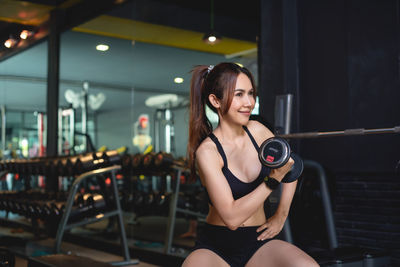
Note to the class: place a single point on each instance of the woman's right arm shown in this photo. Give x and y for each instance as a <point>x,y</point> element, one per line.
<point>233,212</point>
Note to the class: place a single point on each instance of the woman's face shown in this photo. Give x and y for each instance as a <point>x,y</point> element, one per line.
<point>243,100</point>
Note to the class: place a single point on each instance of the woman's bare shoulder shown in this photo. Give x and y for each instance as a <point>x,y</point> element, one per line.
<point>259,131</point>
<point>207,158</point>
<point>207,148</point>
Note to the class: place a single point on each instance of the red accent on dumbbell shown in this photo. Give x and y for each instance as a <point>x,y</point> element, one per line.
<point>270,158</point>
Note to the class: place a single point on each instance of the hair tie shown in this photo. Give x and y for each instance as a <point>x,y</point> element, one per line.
<point>210,68</point>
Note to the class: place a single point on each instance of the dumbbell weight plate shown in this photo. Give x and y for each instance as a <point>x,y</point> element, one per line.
<point>296,171</point>
<point>274,152</point>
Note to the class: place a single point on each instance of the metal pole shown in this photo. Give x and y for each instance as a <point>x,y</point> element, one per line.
<point>85,88</point>
<point>53,87</point>
<point>124,241</point>
<point>60,131</point>
<point>167,132</point>
<point>63,225</point>
<point>347,132</point>
<point>287,230</point>
<point>3,127</point>
<point>72,131</point>
<point>120,219</point>
<point>326,201</point>
<point>172,215</point>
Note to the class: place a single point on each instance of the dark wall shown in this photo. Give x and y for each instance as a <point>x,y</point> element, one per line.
<point>348,54</point>
<point>350,79</point>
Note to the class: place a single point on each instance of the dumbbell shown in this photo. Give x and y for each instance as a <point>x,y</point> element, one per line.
<point>137,163</point>
<point>126,162</point>
<point>112,157</point>
<point>148,162</point>
<point>163,161</point>
<point>275,152</point>
<point>93,204</point>
<point>70,165</point>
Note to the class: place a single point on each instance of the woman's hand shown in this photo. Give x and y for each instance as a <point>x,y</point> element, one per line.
<point>273,226</point>
<point>279,173</point>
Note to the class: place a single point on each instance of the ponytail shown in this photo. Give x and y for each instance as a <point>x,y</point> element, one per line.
<point>199,125</point>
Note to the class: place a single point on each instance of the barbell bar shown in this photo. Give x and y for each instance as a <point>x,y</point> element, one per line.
<point>347,132</point>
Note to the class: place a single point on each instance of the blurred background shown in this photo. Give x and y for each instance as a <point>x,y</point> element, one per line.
<point>82,76</point>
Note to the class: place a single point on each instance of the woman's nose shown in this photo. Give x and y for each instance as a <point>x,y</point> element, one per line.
<point>248,101</point>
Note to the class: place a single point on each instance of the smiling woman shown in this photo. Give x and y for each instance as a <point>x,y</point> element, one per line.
<point>236,232</point>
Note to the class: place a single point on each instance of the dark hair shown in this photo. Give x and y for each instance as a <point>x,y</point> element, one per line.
<point>220,81</point>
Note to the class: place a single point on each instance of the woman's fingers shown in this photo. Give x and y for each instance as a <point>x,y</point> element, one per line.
<point>267,234</point>
<point>262,227</point>
<point>270,231</point>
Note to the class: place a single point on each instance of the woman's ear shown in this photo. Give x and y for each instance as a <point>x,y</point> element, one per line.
<point>214,101</point>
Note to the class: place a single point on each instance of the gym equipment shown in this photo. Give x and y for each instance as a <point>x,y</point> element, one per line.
<point>7,258</point>
<point>148,162</point>
<point>275,152</point>
<point>347,132</point>
<point>163,161</point>
<point>92,205</point>
<point>91,161</point>
<point>174,209</point>
<point>126,163</point>
<point>65,226</point>
<point>112,157</point>
<point>70,165</point>
<point>137,162</point>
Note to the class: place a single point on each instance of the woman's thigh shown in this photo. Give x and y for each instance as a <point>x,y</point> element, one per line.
<point>204,257</point>
<point>281,253</point>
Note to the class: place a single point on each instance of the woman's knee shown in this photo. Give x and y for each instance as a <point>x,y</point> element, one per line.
<point>195,258</point>
<point>305,261</point>
<point>203,257</point>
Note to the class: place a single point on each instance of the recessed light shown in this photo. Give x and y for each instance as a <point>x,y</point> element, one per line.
<point>102,47</point>
<point>178,80</point>
<point>25,34</point>
<point>11,42</point>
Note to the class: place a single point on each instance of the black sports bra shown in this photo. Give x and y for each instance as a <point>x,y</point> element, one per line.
<point>238,187</point>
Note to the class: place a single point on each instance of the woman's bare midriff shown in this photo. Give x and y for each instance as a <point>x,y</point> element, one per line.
<point>258,218</point>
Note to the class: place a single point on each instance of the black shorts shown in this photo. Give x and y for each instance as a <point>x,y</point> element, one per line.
<point>235,247</point>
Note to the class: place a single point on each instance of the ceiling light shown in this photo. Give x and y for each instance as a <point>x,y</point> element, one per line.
<point>239,64</point>
<point>212,37</point>
<point>10,43</point>
<point>25,34</point>
<point>178,80</point>
<point>102,47</point>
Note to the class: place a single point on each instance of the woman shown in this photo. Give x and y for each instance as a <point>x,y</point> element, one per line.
<point>236,232</point>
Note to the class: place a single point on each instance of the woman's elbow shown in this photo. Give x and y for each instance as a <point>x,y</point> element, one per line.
<point>232,224</point>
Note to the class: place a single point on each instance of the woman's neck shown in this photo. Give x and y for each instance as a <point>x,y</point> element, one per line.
<point>229,131</point>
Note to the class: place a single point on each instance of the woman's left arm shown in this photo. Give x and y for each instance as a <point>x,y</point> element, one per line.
<point>275,223</point>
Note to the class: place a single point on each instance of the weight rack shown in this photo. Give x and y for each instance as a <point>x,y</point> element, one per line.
<point>64,226</point>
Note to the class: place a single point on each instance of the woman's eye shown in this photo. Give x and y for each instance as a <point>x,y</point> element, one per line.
<point>239,94</point>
